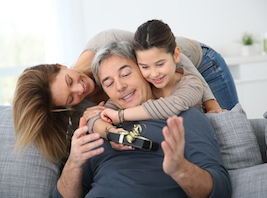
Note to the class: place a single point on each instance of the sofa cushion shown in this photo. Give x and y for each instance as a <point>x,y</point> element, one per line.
<point>259,128</point>
<point>265,116</point>
<point>249,182</point>
<point>237,141</point>
<point>22,176</point>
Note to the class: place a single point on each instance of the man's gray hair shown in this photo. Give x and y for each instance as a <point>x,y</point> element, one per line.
<point>122,49</point>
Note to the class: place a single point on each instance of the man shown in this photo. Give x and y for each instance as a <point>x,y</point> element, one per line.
<point>188,163</point>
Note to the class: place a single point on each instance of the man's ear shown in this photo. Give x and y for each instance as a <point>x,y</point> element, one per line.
<point>177,54</point>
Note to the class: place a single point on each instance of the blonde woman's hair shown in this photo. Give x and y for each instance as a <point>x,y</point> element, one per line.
<point>36,120</point>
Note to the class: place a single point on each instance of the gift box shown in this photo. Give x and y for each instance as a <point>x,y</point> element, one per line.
<point>136,141</point>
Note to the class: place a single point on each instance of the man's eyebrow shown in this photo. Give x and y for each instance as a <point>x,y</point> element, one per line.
<point>120,69</point>
<point>66,80</point>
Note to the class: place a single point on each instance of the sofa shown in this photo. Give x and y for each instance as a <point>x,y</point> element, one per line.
<point>242,143</point>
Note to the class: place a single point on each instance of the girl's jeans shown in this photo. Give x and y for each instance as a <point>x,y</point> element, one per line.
<point>217,74</point>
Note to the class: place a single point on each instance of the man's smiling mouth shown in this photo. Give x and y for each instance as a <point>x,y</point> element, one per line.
<point>128,96</point>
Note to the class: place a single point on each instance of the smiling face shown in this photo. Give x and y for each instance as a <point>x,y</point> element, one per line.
<point>157,66</point>
<point>122,81</point>
<point>70,87</point>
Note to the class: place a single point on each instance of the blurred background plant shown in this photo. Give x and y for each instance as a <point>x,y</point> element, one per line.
<point>248,39</point>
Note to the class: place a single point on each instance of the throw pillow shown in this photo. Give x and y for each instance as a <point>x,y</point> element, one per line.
<point>238,143</point>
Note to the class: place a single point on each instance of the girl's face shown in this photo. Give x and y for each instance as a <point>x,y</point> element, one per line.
<point>70,87</point>
<point>157,66</point>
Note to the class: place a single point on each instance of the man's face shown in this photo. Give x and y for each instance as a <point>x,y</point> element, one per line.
<point>123,82</point>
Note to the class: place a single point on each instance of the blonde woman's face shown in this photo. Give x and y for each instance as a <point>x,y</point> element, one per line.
<point>70,87</point>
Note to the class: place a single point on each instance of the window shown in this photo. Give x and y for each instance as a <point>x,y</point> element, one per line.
<point>25,27</point>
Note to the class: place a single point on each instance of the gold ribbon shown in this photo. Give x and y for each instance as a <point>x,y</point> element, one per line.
<point>134,134</point>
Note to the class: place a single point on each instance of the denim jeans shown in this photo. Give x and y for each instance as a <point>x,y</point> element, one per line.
<point>217,74</point>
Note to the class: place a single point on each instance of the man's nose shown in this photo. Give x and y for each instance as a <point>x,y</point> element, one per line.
<point>121,85</point>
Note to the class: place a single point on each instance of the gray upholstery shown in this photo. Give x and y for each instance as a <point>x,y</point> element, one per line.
<point>25,176</point>
<point>265,116</point>
<point>238,143</point>
<point>259,126</point>
<point>249,182</point>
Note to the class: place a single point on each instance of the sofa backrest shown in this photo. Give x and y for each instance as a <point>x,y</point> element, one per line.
<point>25,176</point>
<point>259,127</point>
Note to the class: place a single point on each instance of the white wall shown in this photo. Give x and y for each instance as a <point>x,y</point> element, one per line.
<point>219,24</point>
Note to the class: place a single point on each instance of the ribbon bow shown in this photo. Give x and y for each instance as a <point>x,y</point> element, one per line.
<point>132,135</point>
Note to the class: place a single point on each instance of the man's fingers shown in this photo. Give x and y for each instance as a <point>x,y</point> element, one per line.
<point>93,153</point>
<point>92,145</point>
<point>82,122</point>
<point>168,133</point>
<point>121,147</point>
<point>173,133</point>
<point>102,103</point>
<point>176,127</point>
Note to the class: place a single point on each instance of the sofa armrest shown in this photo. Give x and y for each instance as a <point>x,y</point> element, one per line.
<point>259,126</point>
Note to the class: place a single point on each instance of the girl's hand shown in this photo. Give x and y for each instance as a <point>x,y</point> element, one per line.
<point>216,110</point>
<point>212,106</point>
<point>93,111</point>
<point>111,116</point>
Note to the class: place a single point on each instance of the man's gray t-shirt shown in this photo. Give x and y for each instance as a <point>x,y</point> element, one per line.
<point>139,173</point>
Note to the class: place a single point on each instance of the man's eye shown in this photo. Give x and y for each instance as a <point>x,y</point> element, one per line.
<point>108,83</point>
<point>127,74</point>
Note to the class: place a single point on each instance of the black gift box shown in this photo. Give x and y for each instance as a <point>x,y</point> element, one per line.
<point>139,142</point>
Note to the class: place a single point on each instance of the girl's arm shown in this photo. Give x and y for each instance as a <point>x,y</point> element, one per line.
<point>94,127</point>
<point>97,125</point>
<point>130,114</point>
<point>187,93</point>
